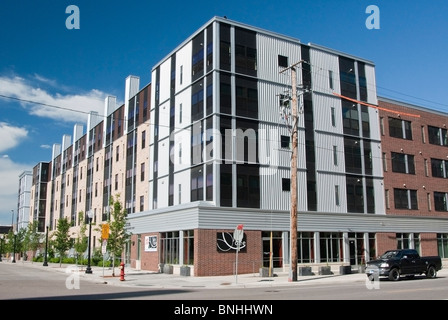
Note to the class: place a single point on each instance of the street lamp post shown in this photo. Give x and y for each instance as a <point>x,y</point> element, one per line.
<point>12,220</point>
<point>1,247</point>
<point>90,215</point>
<point>14,254</point>
<point>46,247</point>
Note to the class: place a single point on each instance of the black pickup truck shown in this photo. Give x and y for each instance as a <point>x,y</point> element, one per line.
<point>405,262</point>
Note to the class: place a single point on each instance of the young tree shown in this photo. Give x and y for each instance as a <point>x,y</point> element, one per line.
<point>81,240</point>
<point>61,240</point>
<point>118,236</point>
<point>32,239</point>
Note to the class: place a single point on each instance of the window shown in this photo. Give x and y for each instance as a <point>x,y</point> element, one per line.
<point>143,139</point>
<point>387,199</point>
<point>426,168</point>
<point>197,184</point>
<point>181,74</point>
<point>384,162</point>
<point>336,195</point>
<point>440,203</point>
<point>116,182</point>
<point>330,79</point>
<point>286,184</point>
<point>180,193</point>
<point>428,199</point>
<point>403,163</point>
<point>333,117</point>
<point>180,153</point>
<point>117,153</point>
<point>335,155</point>
<point>97,163</point>
<point>400,129</point>
<point>439,168</point>
<point>142,203</point>
<point>437,136</point>
<point>423,134</point>
<point>282,61</point>
<point>382,126</point>
<point>96,189</point>
<point>180,113</point>
<point>248,186</point>
<point>405,199</point>
<point>142,171</point>
<point>285,142</point>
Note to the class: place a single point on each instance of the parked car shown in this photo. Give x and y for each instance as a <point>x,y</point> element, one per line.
<point>394,264</point>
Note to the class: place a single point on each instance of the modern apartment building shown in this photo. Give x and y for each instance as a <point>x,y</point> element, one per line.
<point>108,159</point>
<point>220,154</point>
<point>24,191</point>
<point>206,147</point>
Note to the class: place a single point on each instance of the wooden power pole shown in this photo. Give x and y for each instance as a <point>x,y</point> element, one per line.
<point>293,213</point>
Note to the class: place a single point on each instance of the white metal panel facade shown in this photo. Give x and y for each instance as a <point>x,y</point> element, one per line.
<point>162,192</point>
<point>183,179</point>
<point>164,158</point>
<point>322,108</point>
<point>183,109</point>
<point>268,50</point>
<point>371,84</point>
<point>321,65</point>
<point>182,150</point>
<point>326,192</point>
<point>183,67</point>
<point>329,150</point>
<point>164,120</point>
<point>165,81</point>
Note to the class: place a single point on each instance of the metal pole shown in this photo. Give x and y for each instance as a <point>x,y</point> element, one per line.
<point>46,248</point>
<point>14,254</point>
<point>89,269</point>
<point>1,247</point>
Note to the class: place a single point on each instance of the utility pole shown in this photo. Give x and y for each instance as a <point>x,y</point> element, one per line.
<point>293,213</point>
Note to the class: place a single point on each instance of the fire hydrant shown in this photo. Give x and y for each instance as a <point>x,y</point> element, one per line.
<point>121,271</point>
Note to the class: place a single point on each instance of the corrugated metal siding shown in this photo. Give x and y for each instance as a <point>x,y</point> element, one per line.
<point>324,152</point>
<point>268,49</point>
<point>270,151</point>
<point>273,198</point>
<point>196,215</point>
<point>321,63</point>
<point>326,195</point>
<point>322,105</point>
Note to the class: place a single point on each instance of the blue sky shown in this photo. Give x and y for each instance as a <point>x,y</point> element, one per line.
<point>43,61</point>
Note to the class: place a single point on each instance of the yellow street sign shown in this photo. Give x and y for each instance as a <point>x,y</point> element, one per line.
<point>105,231</point>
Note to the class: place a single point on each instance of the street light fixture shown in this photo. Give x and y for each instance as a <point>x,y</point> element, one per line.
<point>14,254</point>
<point>90,215</point>
<point>46,247</point>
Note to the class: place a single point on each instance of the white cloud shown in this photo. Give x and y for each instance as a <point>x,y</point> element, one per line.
<point>45,146</point>
<point>11,136</point>
<point>9,185</point>
<point>67,107</point>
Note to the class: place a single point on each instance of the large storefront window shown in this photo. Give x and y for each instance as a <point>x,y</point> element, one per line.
<point>305,247</point>
<point>169,242</point>
<point>442,245</point>
<point>272,245</point>
<point>331,247</point>
<point>188,247</point>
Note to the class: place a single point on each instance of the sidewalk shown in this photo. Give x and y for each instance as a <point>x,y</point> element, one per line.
<point>142,278</point>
